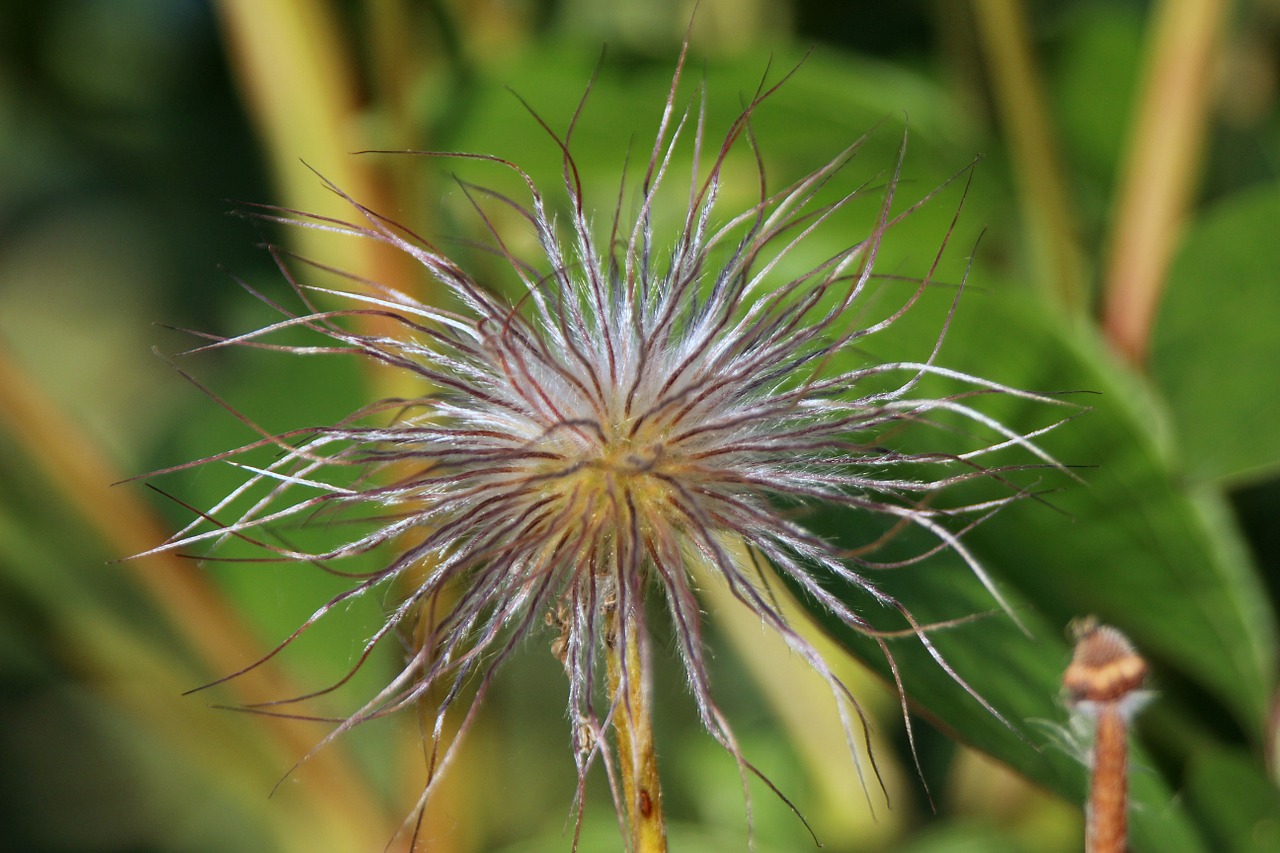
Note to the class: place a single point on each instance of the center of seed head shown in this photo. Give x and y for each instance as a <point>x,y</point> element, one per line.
<point>620,461</point>
<point>603,468</point>
<point>629,457</point>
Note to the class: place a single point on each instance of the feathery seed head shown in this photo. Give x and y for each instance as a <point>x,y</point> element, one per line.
<point>649,405</point>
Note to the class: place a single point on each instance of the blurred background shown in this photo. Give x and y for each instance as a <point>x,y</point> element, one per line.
<point>1124,222</point>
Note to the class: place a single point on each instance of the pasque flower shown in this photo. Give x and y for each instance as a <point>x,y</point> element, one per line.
<point>649,412</point>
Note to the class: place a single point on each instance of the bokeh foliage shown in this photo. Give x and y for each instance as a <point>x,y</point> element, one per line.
<point>126,124</point>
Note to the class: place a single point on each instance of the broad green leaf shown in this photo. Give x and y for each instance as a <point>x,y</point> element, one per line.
<point>1216,351</point>
<point>1235,801</point>
<point>1129,544</point>
<point>1020,676</point>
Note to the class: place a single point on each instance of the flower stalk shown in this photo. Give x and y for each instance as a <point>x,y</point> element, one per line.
<point>1104,683</point>
<point>1158,181</point>
<point>631,685</point>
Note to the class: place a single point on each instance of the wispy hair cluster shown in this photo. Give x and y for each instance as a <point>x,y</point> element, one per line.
<point>644,413</point>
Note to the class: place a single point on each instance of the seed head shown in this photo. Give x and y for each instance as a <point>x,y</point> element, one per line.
<point>650,411</point>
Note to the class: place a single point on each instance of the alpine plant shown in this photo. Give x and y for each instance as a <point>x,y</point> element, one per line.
<point>648,413</point>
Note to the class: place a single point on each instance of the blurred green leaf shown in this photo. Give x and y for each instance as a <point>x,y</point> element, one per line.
<point>1216,351</point>
<point>1130,545</point>
<point>1095,75</point>
<point>1235,802</point>
<point>961,837</point>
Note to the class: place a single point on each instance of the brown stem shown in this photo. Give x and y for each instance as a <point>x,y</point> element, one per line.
<point>1104,681</point>
<point>629,683</point>
<point>1108,790</point>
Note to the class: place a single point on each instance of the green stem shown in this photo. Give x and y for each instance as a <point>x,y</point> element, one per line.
<point>633,725</point>
<point>1165,146</point>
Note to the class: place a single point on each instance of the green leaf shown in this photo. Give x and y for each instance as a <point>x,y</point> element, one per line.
<point>1131,544</point>
<point>1216,352</point>
<point>1237,804</point>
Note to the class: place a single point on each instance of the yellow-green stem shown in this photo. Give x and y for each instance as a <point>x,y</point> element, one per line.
<point>1159,177</point>
<point>633,725</point>
<point>296,69</point>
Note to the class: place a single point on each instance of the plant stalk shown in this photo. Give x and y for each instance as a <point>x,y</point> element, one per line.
<point>633,725</point>
<point>1108,812</point>
<point>1161,168</point>
<point>1104,680</point>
